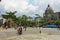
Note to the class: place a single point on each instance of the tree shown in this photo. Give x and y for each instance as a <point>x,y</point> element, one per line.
<point>38,18</point>
<point>29,18</point>
<point>31,22</point>
<point>24,18</point>
<point>10,15</point>
<point>38,15</point>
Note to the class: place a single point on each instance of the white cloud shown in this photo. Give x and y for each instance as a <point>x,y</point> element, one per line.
<point>19,5</point>
<point>32,8</point>
<point>16,5</point>
<point>24,7</point>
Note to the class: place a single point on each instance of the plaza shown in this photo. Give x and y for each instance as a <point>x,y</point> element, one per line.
<point>31,34</point>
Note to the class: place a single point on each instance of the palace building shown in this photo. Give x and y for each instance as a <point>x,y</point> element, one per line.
<point>50,14</point>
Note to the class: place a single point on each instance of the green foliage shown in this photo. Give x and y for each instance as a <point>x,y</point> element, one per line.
<point>10,15</point>
<point>23,20</point>
<point>38,15</point>
<point>53,22</point>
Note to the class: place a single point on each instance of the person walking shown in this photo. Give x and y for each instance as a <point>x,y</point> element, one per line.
<point>19,29</point>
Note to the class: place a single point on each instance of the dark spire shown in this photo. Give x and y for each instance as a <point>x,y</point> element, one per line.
<point>48,5</point>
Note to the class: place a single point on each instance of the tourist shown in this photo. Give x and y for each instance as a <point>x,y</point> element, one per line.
<point>59,26</point>
<point>5,24</point>
<point>19,29</point>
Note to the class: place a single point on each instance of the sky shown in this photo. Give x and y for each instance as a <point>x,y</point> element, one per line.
<point>28,7</point>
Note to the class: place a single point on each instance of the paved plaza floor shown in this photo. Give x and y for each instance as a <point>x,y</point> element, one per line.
<point>30,34</point>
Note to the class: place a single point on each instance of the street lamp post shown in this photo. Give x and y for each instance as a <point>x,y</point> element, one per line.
<point>38,21</point>
<point>38,24</point>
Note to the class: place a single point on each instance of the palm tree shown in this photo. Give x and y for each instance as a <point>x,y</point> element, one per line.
<point>24,17</point>
<point>38,19</point>
<point>10,16</point>
<point>30,18</point>
<point>38,15</point>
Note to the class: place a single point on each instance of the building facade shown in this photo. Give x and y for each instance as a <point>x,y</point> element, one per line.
<point>50,14</point>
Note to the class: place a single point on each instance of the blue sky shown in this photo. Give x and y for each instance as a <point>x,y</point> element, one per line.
<point>28,7</point>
